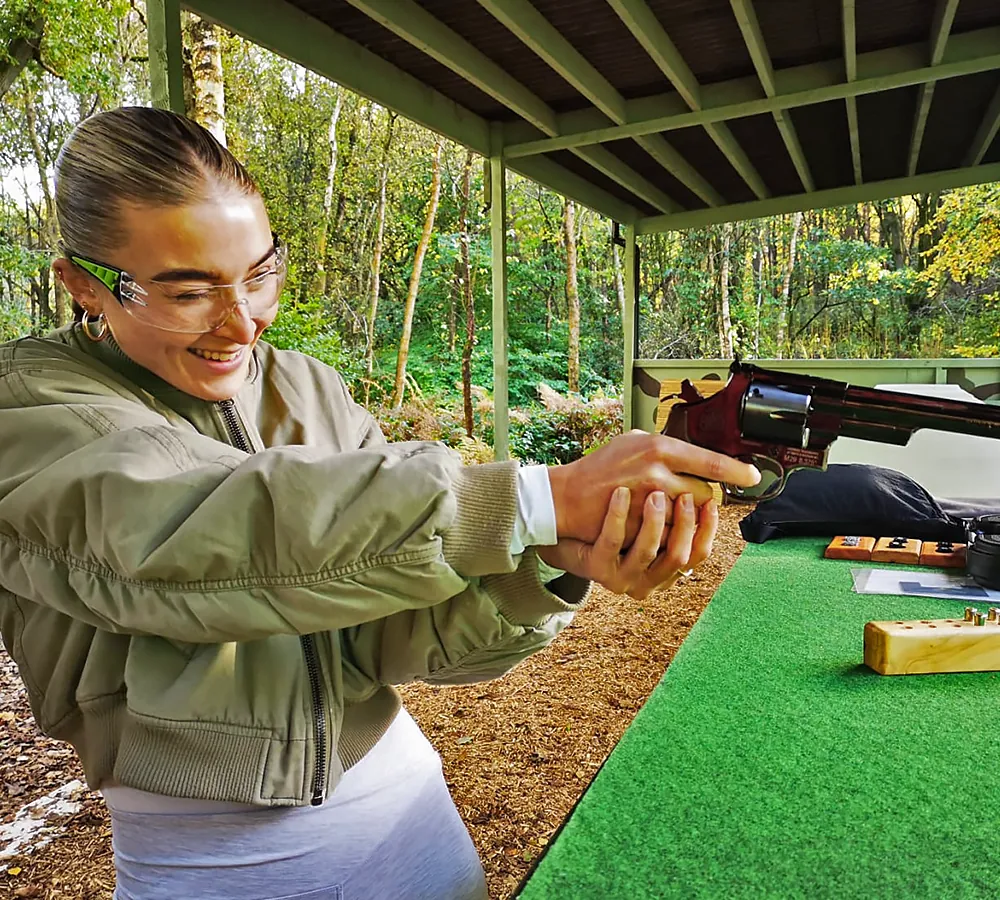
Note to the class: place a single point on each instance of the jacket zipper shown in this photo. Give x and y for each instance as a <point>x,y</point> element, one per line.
<point>230,417</point>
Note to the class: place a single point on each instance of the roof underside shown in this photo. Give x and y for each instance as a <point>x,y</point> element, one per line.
<point>674,113</point>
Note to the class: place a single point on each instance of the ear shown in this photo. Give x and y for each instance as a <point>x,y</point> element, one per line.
<point>79,284</point>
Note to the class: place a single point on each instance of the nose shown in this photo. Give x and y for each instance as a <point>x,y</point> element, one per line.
<point>239,327</point>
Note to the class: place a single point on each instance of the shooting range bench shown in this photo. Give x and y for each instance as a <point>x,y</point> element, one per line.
<point>770,763</point>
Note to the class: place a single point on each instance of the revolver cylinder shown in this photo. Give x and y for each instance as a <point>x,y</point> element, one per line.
<point>778,414</point>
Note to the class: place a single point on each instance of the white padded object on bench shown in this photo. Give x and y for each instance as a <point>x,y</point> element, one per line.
<point>946,465</point>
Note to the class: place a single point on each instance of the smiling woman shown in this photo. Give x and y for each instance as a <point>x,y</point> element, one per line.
<point>184,271</point>
<point>214,569</point>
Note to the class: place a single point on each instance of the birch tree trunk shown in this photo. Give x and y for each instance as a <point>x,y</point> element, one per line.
<point>418,264</point>
<point>207,103</point>
<point>727,319</point>
<point>787,285</point>
<point>322,233</point>
<point>469,300</point>
<point>572,298</point>
<point>377,259</point>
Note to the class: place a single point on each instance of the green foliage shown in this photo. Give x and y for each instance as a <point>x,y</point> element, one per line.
<point>561,435</point>
<point>15,320</point>
<point>78,39</point>
<point>913,276</point>
<point>306,327</point>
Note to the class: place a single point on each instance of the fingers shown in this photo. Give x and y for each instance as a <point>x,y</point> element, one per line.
<point>677,556</point>
<point>646,546</point>
<point>689,459</point>
<point>610,541</point>
<point>704,537</point>
<point>698,488</point>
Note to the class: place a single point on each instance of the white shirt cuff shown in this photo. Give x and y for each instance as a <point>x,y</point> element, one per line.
<point>535,524</point>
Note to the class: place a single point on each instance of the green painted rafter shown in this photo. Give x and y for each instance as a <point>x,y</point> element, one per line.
<point>851,74</point>
<point>290,32</point>
<point>746,17</point>
<point>539,35</point>
<point>428,34</point>
<point>928,182</point>
<point>944,15</point>
<point>414,24</point>
<point>647,30</point>
<point>986,132</point>
<point>883,70</point>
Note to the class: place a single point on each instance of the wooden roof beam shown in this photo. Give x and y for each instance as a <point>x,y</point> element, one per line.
<point>851,74</point>
<point>647,30</point>
<point>754,39</point>
<point>166,67</point>
<point>540,36</point>
<point>418,27</point>
<point>944,16</point>
<point>288,31</point>
<point>927,182</point>
<point>986,132</point>
<point>879,70</point>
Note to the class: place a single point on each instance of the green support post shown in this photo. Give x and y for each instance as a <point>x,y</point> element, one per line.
<point>630,318</point>
<point>498,250</point>
<point>166,66</point>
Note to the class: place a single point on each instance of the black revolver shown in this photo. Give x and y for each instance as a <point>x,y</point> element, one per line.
<point>782,422</point>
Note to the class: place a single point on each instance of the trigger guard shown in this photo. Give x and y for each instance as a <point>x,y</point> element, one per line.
<point>735,493</point>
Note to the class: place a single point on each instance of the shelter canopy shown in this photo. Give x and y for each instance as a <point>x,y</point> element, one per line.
<point>670,114</point>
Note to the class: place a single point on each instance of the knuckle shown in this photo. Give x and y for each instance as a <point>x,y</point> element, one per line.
<point>645,556</point>
<point>714,468</point>
<point>677,560</point>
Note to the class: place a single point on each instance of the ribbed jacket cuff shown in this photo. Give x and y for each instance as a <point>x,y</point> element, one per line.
<point>478,542</point>
<point>523,599</point>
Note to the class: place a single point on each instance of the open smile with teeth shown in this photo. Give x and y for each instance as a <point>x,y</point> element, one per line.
<point>216,355</point>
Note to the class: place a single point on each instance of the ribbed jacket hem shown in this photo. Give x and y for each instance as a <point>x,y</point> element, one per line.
<point>523,599</point>
<point>478,543</point>
<point>210,761</point>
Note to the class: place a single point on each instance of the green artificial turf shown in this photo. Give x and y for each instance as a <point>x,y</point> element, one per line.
<point>769,762</point>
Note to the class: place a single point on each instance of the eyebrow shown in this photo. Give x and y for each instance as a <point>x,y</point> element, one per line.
<point>171,275</point>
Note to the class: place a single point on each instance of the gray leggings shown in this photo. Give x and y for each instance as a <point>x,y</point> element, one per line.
<point>389,831</point>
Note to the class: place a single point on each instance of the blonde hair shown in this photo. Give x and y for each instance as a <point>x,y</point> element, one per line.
<point>135,155</point>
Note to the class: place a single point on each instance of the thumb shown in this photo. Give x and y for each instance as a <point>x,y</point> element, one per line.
<point>569,554</point>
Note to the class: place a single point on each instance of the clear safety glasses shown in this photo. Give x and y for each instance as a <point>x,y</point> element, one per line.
<point>195,307</point>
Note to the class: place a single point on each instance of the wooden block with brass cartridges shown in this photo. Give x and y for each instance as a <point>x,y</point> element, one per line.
<point>897,550</point>
<point>946,554</point>
<point>926,646</point>
<point>850,547</point>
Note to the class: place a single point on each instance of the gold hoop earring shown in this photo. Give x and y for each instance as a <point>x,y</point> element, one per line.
<point>102,323</point>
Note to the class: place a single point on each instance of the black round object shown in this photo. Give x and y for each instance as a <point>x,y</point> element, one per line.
<point>982,555</point>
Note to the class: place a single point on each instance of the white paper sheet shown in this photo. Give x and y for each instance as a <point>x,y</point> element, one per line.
<point>946,585</point>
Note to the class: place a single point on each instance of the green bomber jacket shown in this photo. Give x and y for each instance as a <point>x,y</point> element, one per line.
<point>213,600</point>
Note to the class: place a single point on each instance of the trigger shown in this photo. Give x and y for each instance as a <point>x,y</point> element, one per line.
<point>689,393</point>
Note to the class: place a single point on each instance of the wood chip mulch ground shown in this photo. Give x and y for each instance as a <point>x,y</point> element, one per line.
<point>517,752</point>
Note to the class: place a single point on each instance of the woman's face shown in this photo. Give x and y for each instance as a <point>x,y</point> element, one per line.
<point>224,239</point>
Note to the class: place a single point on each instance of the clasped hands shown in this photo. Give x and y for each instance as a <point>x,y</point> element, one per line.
<point>638,512</point>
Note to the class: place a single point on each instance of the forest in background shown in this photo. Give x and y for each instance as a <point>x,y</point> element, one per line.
<point>389,275</point>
